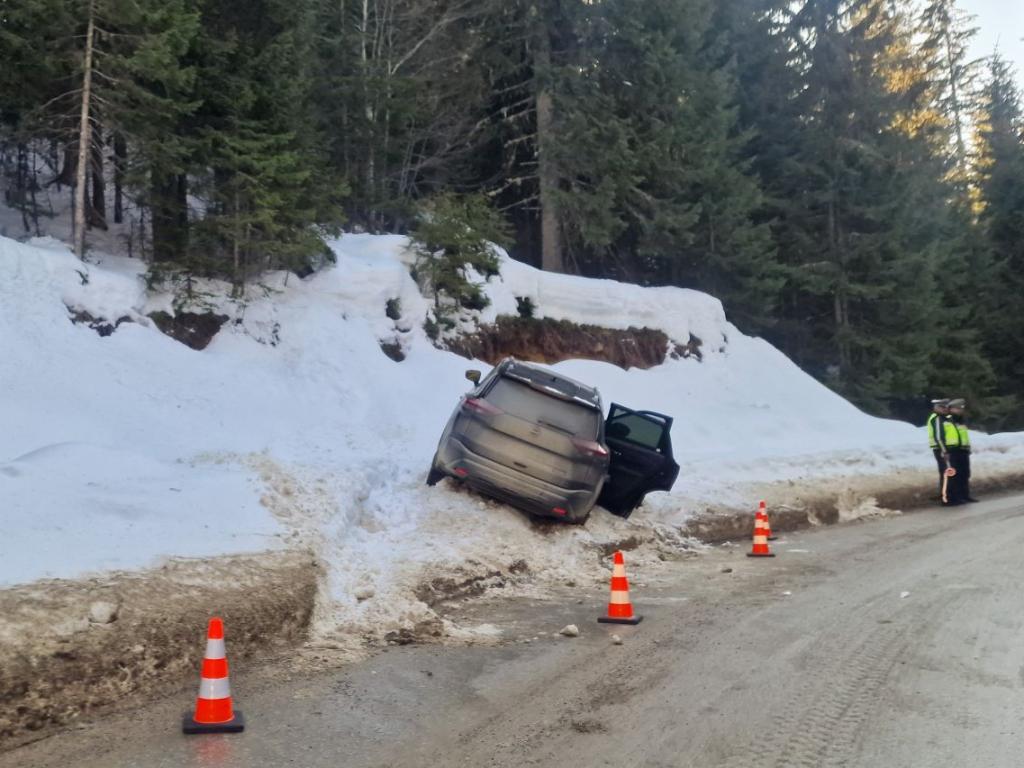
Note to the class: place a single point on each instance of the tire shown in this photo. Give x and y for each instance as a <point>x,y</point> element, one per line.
<point>434,475</point>
<point>578,519</point>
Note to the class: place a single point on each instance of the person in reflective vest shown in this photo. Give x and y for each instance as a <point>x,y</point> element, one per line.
<point>937,442</point>
<point>958,443</point>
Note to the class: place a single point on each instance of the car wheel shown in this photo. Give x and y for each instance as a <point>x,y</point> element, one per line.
<point>434,475</point>
<point>579,519</point>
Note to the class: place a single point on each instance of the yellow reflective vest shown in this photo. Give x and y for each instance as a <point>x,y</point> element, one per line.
<point>933,432</point>
<point>955,435</point>
<point>965,438</point>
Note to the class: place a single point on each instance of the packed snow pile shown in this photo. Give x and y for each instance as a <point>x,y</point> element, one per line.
<point>293,428</point>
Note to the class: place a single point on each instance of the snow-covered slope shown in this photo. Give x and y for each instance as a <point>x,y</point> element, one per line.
<point>293,428</point>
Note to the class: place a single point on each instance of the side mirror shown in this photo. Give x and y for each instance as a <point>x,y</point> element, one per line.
<point>473,376</point>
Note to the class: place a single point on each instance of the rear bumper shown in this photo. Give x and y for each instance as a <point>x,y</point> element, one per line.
<point>512,486</point>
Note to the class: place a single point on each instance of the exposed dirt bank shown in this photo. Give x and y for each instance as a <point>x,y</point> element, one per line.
<point>69,648</point>
<point>551,341</point>
<point>841,500</point>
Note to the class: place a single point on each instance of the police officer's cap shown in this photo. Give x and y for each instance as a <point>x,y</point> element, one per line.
<point>957,402</point>
<point>943,401</point>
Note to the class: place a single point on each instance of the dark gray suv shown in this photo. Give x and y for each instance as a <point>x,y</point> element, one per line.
<point>538,440</point>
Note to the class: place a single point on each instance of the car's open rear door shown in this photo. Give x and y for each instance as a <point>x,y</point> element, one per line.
<point>640,444</point>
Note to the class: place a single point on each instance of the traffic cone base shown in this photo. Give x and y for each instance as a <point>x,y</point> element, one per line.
<point>760,554</point>
<point>235,725</point>
<point>616,620</point>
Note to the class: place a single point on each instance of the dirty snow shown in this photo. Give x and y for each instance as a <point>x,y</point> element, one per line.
<point>293,429</point>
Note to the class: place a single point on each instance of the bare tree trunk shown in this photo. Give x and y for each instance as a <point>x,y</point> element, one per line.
<point>371,166</point>
<point>162,218</point>
<point>84,136</point>
<point>181,203</point>
<point>841,299</point>
<point>236,274</point>
<point>98,211</point>
<point>21,184</point>
<point>552,255</point>
<point>53,159</point>
<point>345,140</point>
<point>168,207</point>
<point>120,156</point>
<point>33,186</point>
<point>66,177</point>
<point>142,233</point>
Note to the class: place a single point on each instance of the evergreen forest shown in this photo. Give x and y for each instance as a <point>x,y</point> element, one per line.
<point>842,174</point>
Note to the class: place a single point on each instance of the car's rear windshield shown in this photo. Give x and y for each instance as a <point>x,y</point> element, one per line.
<point>531,404</point>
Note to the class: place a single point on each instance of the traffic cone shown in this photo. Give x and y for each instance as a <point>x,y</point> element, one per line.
<point>214,712</point>
<point>760,548</point>
<point>620,610</point>
<point>763,510</point>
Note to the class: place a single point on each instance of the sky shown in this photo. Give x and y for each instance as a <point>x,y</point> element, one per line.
<point>999,22</point>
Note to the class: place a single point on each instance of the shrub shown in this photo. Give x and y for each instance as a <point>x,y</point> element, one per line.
<point>393,309</point>
<point>525,307</point>
<point>432,329</point>
<point>454,232</point>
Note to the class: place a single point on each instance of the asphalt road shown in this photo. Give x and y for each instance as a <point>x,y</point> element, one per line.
<point>883,644</point>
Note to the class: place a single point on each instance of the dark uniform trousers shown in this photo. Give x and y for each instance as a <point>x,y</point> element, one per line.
<point>941,462</point>
<point>959,489</point>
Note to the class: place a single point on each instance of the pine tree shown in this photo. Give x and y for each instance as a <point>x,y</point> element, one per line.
<point>152,84</point>
<point>652,182</point>
<point>454,233</point>
<point>34,72</point>
<point>959,366</point>
<point>110,65</point>
<point>1000,171</point>
<point>768,82</point>
<point>949,32</point>
<point>263,192</point>
<point>862,203</point>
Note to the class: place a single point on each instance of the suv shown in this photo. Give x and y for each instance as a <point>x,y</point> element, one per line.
<point>537,440</point>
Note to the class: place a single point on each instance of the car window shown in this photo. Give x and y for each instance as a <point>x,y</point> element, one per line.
<point>636,429</point>
<point>524,401</point>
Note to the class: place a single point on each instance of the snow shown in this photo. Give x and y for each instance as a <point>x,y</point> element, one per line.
<point>676,311</point>
<point>118,509</point>
<point>293,429</point>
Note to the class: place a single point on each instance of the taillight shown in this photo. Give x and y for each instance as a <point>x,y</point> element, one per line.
<point>590,447</point>
<point>476,405</point>
<point>461,472</point>
<point>559,511</point>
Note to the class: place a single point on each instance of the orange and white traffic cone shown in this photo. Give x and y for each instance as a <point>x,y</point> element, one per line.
<point>760,548</point>
<point>620,610</point>
<point>214,712</point>
<point>763,510</point>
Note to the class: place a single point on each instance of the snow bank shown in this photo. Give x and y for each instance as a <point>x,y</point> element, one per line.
<point>294,429</point>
